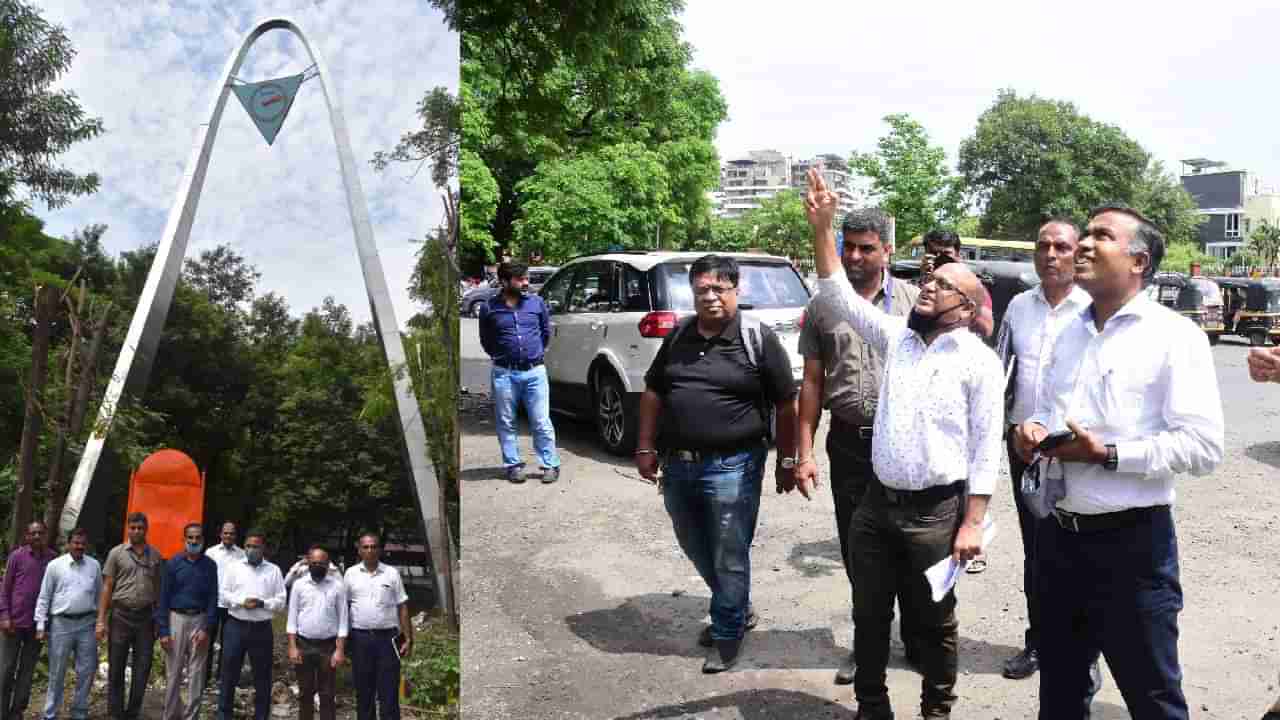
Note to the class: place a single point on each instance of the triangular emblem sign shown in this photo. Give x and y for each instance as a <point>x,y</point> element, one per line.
<point>268,102</point>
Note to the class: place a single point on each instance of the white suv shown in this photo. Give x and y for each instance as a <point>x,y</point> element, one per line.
<point>609,313</point>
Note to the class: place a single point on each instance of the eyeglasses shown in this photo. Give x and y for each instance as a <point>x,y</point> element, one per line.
<point>942,284</point>
<point>719,290</point>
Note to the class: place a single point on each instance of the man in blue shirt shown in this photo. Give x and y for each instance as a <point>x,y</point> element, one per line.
<point>187,610</point>
<point>514,330</point>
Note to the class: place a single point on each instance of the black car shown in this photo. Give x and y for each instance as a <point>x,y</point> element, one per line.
<point>474,298</point>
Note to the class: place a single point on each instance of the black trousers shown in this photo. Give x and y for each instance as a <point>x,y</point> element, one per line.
<point>1027,525</point>
<point>19,652</point>
<point>1117,591</point>
<point>252,639</point>
<point>132,633</point>
<point>892,545</point>
<point>376,669</point>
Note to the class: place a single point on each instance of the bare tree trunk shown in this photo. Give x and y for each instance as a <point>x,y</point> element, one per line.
<point>77,408</point>
<point>46,302</point>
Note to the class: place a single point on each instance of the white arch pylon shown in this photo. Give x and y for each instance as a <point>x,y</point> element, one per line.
<point>133,367</point>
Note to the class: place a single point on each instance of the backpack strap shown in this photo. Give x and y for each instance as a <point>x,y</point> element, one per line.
<point>752,331</point>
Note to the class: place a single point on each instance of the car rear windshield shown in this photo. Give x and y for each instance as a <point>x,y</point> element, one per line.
<point>763,286</point>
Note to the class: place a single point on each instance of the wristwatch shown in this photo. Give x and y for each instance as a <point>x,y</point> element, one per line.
<point>787,463</point>
<point>1113,461</point>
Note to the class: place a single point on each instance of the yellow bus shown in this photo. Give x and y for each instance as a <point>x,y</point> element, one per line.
<point>985,249</point>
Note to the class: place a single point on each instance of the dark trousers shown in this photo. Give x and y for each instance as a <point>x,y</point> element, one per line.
<point>215,636</point>
<point>1027,524</point>
<point>132,632</point>
<point>315,675</point>
<point>1116,591</point>
<point>892,545</point>
<point>19,652</point>
<point>376,670</point>
<point>254,639</point>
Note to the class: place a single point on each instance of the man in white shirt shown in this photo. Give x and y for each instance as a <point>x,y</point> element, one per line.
<point>1135,382</point>
<point>317,632</point>
<point>381,633</point>
<point>936,441</point>
<point>253,591</point>
<point>221,554</point>
<point>67,607</point>
<point>1028,331</point>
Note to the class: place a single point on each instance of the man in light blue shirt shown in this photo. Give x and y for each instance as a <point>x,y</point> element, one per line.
<point>67,607</point>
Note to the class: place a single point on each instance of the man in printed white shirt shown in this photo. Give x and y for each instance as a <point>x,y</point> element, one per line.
<point>381,633</point>
<point>65,611</point>
<point>253,591</point>
<point>317,630</point>
<point>936,441</point>
<point>1031,325</point>
<point>1135,382</point>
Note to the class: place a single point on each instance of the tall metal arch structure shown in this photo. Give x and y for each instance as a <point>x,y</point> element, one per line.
<point>133,367</point>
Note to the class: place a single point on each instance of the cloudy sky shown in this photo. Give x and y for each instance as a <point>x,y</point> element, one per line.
<point>150,69</point>
<point>1183,79</point>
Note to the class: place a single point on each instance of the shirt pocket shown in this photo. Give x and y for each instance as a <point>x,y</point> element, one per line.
<point>1124,393</point>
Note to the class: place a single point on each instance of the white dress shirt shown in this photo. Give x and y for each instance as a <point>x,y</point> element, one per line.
<point>1146,384</point>
<point>1035,327</point>
<point>941,412</point>
<point>245,581</point>
<point>68,588</point>
<point>222,555</point>
<point>374,596</point>
<point>318,610</point>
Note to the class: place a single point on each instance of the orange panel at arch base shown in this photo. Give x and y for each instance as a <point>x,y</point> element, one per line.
<point>169,489</point>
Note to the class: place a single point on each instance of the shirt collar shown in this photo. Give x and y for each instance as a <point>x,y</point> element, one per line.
<point>1138,307</point>
<point>1077,297</point>
<point>375,571</point>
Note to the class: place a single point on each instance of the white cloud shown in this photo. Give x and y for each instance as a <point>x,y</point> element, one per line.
<point>149,71</point>
<point>1184,80</point>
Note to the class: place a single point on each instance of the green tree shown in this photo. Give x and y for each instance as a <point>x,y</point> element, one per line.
<point>1264,244</point>
<point>436,143</point>
<point>780,226</point>
<point>37,122</point>
<point>1031,157</point>
<point>911,177</point>
<point>1179,256</point>
<point>479,202</point>
<point>1161,197</point>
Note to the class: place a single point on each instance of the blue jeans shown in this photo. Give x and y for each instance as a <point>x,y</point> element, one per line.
<point>67,637</point>
<point>530,387</point>
<point>1116,591</point>
<point>713,506</point>
<point>375,668</point>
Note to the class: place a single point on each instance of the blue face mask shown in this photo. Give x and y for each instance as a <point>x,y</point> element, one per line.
<point>194,548</point>
<point>254,555</point>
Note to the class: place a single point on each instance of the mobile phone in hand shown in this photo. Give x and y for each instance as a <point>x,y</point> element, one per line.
<point>1055,440</point>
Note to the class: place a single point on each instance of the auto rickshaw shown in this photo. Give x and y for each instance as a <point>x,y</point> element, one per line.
<point>1198,298</point>
<point>1251,308</point>
<point>1003,279</point>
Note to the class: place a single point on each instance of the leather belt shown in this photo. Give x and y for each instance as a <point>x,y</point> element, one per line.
<point>187,611</point>
<point>697,456</point>
<point>75,616</point>
<point>519,366</point>
<point>843,427</point>
<point>927,496</point>
<point>1078,523</point>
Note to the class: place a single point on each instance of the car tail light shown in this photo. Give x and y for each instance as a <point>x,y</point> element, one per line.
<point>658,324</point>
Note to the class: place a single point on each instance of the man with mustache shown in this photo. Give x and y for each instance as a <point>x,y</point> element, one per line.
<point>19,649</point>
<point>1135,383</point>
<point>936,453</point>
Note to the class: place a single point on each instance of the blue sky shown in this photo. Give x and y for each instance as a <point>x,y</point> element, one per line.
<point>149,71</point>
<point>1185,80</point>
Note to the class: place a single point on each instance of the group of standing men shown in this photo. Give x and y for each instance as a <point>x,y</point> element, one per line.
<point>922,411</point>
<point>186,602</point>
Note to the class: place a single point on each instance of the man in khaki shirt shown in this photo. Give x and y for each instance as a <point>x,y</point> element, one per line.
<point>842,375</point>
<point>130,590</point>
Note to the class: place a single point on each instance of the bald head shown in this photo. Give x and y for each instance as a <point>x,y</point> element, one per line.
<point>950,300</point>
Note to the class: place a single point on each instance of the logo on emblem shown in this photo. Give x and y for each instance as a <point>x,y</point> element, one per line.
<point>268,102</point>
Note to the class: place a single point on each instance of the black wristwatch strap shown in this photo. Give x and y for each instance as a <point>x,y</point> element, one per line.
<point>1113,461</point>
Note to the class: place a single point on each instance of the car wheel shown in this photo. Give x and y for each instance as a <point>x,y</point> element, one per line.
<point>615,426</point>
<point>1213,338</point>
<point>1257,339</point>
<point>475,308</point>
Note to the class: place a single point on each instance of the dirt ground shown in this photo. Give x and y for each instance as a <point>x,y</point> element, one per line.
<point>577,602</point>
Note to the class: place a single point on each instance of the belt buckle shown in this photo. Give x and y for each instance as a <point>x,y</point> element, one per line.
<point>1068,521</point>
<point>865,433</point>
<point>686,456</point>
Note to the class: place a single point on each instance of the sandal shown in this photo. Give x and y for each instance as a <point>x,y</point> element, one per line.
<point>975,566</point>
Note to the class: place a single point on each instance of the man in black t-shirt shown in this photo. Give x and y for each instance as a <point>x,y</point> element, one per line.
<point>714,385</point>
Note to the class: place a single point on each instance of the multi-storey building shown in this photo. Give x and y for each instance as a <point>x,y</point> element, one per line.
<point>746,182</point>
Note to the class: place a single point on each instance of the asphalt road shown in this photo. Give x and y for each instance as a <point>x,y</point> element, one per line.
<point>578,603</point>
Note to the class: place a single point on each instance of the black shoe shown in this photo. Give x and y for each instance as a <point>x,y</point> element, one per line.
<point>1023,665</point>
<point>704,637</point>
<point>1272,715</point>
<point>550,475</point>
<point>915,659</point>
<point>1095,679</point>
<point>722,656</point>
<point>844,674</point>
<point>866,714</point>
<point>515,474</point>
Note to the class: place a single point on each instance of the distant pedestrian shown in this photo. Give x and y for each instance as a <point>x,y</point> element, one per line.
<point>223,554</point>
<point>381,633</point>
<point>253,591</point>
<point>515,328</point>
<point>19,649</point>
<point>64,612</point>
<point>130,590</point>
<point>188,607</point>
<point>317,629</point>
<point>710,394</point>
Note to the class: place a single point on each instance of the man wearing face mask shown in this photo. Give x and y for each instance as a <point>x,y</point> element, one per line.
<point>253,591</point>
<point>936,454</point>
<point>317,630</point>
<point>515,328</point>
<point>300,570</point>
<point>188,608</point>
